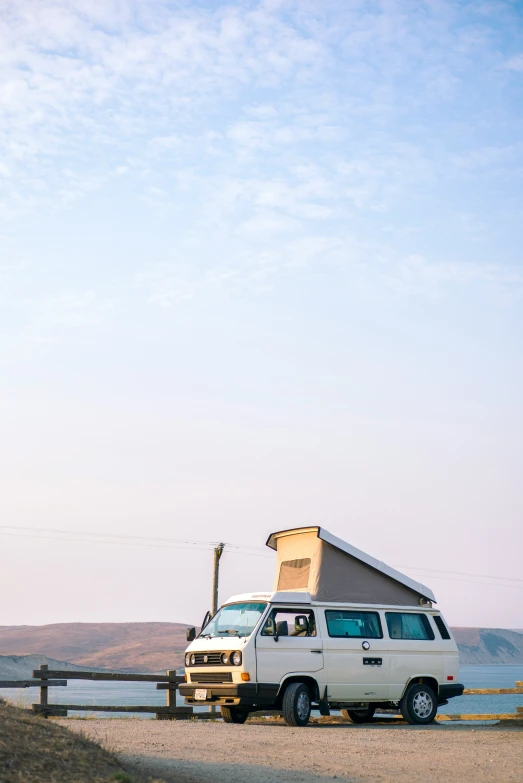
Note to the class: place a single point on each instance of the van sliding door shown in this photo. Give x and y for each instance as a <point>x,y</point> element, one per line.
<point>356,659</point>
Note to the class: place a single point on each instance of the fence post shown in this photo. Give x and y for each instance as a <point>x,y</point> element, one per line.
<point>44,689</point>
<point>171,693</point>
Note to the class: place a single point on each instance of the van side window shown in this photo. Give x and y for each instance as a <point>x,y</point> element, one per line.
<point>353,624</point>
<point>404,625</point>
<point>290,622</point>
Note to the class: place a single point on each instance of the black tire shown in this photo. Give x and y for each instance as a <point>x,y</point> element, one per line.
<point>296,706</point>
<point>419,705</point>
<point>363,715</point>
<point>234,715</point>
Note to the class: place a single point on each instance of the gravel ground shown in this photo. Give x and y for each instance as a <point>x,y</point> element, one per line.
<point>257,752</point>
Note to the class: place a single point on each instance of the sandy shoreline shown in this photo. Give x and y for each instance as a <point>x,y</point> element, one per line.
<point>187,752</point>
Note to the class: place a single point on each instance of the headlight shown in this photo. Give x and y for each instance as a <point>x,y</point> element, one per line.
<point>225,659</point>
<point>193,659</point>
<point>187,660</point>
<point>236,658</point>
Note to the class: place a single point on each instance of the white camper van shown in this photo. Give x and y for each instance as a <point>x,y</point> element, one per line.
<point>340,630</point>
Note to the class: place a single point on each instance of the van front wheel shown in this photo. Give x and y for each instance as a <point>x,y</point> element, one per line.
<point>365,715</point>
<point>296,705</point>
<point>234,715</point>
<point>419,705</point>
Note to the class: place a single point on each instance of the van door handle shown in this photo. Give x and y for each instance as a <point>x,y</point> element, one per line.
<point>317,651</point>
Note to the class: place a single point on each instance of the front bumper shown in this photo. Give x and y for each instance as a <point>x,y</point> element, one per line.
<point>451,690</point>
<point>238,695</point>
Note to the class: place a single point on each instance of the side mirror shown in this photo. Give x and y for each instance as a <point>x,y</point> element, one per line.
<point>190,634</point>
<point>282,629</point>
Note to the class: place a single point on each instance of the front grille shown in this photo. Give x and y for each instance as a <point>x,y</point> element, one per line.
<point>208,677</point>
<point>213,659</point>
<point>441,626</point>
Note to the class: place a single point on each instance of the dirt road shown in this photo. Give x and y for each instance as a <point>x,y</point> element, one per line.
<point>186,752</point>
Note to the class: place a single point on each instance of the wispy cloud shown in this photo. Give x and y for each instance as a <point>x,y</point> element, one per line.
<point>341,134</point>
<point>514,63</point>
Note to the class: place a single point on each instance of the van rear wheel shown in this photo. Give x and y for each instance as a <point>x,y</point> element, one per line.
<point>419,705</point>
<point>364,715</point>
<point>234,715</point>
<point>296,706</point>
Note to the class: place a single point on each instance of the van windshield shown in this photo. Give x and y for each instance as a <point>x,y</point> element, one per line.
<point>234,620</point>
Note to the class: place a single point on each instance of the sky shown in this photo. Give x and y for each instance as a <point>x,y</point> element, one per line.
<point>260,267</point>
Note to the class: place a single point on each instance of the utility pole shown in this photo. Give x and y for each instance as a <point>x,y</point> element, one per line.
<point>218,550</point>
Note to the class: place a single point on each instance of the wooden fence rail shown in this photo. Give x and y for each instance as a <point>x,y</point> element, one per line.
<point>36,683</point>
<point>488,691</point>
<point>44,678</point>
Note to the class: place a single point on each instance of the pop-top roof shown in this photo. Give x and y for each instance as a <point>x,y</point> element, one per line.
<point>335,570</point>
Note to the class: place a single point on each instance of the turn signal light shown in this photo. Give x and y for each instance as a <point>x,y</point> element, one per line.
<point>450,677</point>
<point>246,676</point>
<point>185,677</point>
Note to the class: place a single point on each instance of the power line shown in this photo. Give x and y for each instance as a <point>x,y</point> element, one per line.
<point>92,533</point>
<point>60,534</point>
<point>459,573</point>
<point>471,581</point>
<point>105,535</point>
<point>122,539</point>
<point>95,541</point>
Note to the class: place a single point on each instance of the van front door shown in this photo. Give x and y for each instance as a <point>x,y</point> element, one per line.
<point>288,642</point>
<point>356,656</point>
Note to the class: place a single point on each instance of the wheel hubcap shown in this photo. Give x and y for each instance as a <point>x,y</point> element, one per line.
<point>302,706</point>
<point>422,704</point>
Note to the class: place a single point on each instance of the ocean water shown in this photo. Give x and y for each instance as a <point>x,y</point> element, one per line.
<point>487,677</point>
<point>141,693</point>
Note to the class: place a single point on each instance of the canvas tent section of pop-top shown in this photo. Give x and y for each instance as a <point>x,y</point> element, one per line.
<point>310,559</point>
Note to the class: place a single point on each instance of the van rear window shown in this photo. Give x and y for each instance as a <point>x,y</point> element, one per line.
<point>353,625</point>
<point>442,628</point>
<point>404,625</point>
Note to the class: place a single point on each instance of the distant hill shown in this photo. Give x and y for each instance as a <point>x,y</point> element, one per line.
<point>139,647</point>
<point>489,645</point>
<point>154,647</point>
<point>20,667</point>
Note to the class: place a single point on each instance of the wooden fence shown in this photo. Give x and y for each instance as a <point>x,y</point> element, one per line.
<point>44,678</point>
